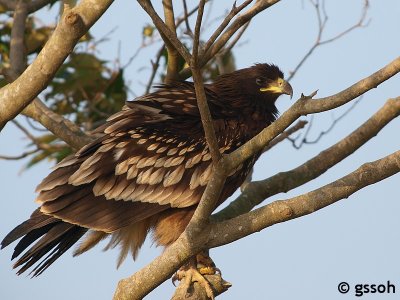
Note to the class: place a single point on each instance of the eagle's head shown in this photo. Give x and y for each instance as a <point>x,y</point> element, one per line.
<point>259,85</point>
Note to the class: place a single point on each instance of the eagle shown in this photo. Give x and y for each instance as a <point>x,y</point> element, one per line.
<point>147,169</point>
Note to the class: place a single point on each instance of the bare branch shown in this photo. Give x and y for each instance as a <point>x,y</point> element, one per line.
<point>73,24</point>
<point>284,210</point>
<point>61,127</point>
<point>173,54</point>
<point>163,29</point>
<point>24,130</point>
<point>255,192</point>
<point>284,135</point>
<point>186,18</point>
<point>155,65</point>
<point>200,94</point>
<point>187,14</point>
<point>237,37</point>
<point>324,132</point>
<point>322,18</point>
<point>21,156</point>
<point>233,12</point>
<point>238,23</point>
<point>32,6</point>
<point>17,45</point>
<point>214,187</point>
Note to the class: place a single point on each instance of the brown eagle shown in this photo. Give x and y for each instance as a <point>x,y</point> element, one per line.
<point>148,169</point>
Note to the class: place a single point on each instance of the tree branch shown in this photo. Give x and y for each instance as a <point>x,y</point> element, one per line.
<point>233,12</point>
<point>31,5</point>
<point>283,210</point>
<point>58,125</point>
<point>17,44</point>
<point>322,21</point>
<point>164,30</point>
<point>239,22</point>
<point>73,24</point>
<point>205,114</point>
<point>257,191</point>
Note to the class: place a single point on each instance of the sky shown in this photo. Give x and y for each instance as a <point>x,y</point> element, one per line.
<point>356,240</point>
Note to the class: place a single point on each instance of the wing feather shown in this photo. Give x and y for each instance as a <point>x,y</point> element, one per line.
<point>145,157</point>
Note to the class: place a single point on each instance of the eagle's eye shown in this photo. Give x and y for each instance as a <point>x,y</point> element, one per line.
<point>259,81</point>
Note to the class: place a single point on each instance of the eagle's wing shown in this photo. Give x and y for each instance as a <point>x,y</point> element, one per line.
<point>151,157</point>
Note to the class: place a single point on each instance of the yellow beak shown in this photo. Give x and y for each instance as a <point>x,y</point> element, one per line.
<point>280,86</point>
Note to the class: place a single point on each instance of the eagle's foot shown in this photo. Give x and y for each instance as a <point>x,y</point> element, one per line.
<point>194,271</point>
<point>189,274</point>
<point>200,278</point>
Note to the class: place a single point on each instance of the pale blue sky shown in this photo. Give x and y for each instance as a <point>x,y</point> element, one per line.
<point>355,240</point>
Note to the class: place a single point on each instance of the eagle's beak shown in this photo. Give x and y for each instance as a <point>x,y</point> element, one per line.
<point>279,86</point>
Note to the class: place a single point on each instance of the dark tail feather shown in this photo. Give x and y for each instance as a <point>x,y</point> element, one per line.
<point>50,237</point>
<point>36,221</point>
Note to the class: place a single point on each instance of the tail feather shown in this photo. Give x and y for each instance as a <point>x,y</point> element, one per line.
<point>45,238</point>
<point>37,220</point>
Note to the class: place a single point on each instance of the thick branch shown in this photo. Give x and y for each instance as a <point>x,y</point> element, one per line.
<point>73,24</point>
<point>284,210</point>
<point>255,192</point>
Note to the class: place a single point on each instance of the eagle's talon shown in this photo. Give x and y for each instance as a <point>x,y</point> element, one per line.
<point>174,278</point>
<point>191,275</point>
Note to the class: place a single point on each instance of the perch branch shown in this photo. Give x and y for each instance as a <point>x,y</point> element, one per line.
<point>257,191</point>
<point>73,24</point>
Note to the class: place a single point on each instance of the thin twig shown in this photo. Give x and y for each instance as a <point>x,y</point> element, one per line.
<point>155,65</point>
<point>232,44</point>
<point>182,19</point>
<point>163,28</point>
<point>335,121</point>
<point>322,19</point>
<point>230,31</point>
<point>233,12</point>
<point>21,156</point>
<point>186,18</point>
<point>24,130</point>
